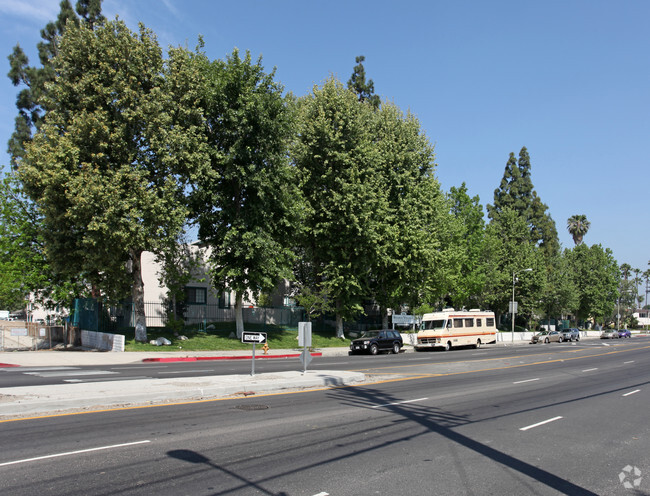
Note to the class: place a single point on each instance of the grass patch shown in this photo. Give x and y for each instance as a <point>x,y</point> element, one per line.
<point>220,339</point>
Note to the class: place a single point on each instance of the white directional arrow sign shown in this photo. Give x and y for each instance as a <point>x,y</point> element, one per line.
<point>253,337</point>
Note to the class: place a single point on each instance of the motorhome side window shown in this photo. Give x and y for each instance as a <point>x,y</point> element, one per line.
<point>478,322</point>
<point>458,323</point>
<point>490,322</point>
<point>469,322</point>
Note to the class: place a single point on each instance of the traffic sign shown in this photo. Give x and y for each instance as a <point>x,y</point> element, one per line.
<point>253,337</point>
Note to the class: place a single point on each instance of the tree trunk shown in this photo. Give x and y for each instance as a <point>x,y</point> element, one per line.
<point>339,322</point>
<point>384,317</point>
<point>339,326</point>
<point>138,298</point>
<point>239,314</point>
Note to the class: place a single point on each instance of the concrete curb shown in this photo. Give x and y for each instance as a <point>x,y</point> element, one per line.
<point>239,357</point>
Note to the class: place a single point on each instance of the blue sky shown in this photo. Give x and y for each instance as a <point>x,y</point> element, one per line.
<point>570,80</point>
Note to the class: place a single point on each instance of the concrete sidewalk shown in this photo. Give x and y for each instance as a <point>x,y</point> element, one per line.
<point>19,402</point>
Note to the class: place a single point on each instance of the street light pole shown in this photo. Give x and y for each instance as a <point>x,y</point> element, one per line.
<point>514,312</point>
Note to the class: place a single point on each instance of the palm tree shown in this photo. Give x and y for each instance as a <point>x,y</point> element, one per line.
<point>578,225</point>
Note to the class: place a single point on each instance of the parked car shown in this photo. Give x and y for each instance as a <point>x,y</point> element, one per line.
<point>375,341</point>
<point>609,334</point>
<point>570,334</point>
<point>547,337</point>
<point>624,333</point>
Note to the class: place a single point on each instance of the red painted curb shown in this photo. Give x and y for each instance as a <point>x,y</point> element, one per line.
<point>199,358</point>
<point>5,365</point>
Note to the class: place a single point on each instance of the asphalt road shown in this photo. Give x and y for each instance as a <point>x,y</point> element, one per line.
<point>33,376</point>
<point>530,420</point>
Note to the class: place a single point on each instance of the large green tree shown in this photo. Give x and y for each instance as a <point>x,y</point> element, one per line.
<point>22,260</point>
<point>468,277</point>
<point>411,223</point>
<point>596,275</point>
<point>32,106</point>
<point>246,199</point>
<point>336,163</point>
<point>107,166</point>
<point>509,250</point>
<point>559,296</point>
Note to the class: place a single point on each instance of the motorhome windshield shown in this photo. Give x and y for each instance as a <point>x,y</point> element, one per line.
<point>433,324</point>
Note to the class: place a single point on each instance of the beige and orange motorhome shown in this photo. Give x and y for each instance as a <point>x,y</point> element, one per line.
<point>451,328</point>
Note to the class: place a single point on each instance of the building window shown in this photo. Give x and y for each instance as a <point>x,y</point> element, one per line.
<point>224,300</point>
<point>196,296</point>
<point>289,301</point>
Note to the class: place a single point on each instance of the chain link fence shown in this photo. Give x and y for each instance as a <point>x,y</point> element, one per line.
<point>30,336</point>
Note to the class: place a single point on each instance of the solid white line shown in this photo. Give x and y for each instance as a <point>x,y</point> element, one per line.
<point>71,373</point>
<point>590,370</point>
<point>141,367</point>
<point>108,379</point>
<point>631,361</point>
<point>183,371</point>
<point>72,453</point>
<point>400,402</point>
<point>322,494</point>
<point>540,423</point>
<point>527,380</point>
<point>632,392</point>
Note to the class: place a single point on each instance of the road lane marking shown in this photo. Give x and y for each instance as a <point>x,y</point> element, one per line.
<point>631,361</point>
<point>400,402</point>
<point>108,379</point>
<point>184,371</point>
<point>590,370</point>
<point>527,380</point>
<point>540,423</point>
<point>322,494</point>
<point>70,373</point>
<point>632,392</point>
<point>27,460</point>
<point>141,367</point>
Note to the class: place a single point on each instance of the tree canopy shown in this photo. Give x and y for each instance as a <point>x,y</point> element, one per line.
<point>105,165</point>
<point>246,199</point>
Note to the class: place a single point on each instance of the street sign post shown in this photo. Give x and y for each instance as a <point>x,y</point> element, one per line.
<point>255,338</point>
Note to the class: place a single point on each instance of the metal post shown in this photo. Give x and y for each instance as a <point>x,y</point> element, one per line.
<point>513,307</point>
<point>513,301</point>
<point>253,362</point>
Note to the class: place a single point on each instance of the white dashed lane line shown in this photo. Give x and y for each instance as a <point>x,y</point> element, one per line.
<point>539,423</point>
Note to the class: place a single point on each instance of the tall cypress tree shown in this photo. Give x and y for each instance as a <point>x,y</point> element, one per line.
<point>517,193</point>
<point>365,90</point>
<point>31,109</point>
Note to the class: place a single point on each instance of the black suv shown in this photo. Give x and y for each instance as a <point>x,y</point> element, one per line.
<point>375,341</point>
